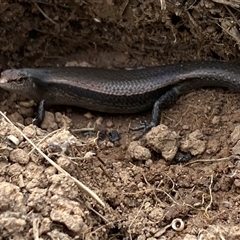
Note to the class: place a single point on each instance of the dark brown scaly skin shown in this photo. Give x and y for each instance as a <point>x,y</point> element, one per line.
<point>121,91</point>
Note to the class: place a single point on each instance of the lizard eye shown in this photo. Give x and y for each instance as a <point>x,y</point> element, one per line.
<point>19,81</point>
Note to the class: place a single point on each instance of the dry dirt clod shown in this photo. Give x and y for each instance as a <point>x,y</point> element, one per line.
<point>19,156</point>
<point>138,152</point>
<point>29,131</point>
<point>45,225</point>
<point>15,170</point>
<point>65,163</point>
<point>12,224</point>
<point>99,121</point>
<point>62,186</point>
<point>194,143</point>
<point>49,122</point>
<point>37,199</point>
<point>16,117</point>
<point>59,142</point>
<point>11,198</point>
<point>236,148</point>
<point>67,212</point>
<point>110,124</point>
<point>25,111</point>
<point>163,140</point>
<point>235,135</point>
<point>27,104</point>
<point>57,234</point>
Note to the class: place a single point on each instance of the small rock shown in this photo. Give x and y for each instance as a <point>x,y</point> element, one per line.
<point>13,139</point>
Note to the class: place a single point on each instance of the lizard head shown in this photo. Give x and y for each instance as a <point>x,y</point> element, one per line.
<point>11,76</point>
<point>19,81</point>
<point>15,80</point>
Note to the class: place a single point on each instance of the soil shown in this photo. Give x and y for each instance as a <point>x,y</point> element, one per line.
<point>150,188</point>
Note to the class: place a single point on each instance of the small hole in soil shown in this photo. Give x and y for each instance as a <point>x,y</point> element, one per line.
<point>33,34</point>
<point>178,22</point>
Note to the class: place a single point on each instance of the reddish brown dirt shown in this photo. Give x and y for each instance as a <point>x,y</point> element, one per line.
<point>142,191</point>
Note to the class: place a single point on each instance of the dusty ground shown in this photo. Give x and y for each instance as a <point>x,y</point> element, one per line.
<point>142,189</point>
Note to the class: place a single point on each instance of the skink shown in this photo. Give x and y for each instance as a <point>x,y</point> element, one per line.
<point>119,91</point>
